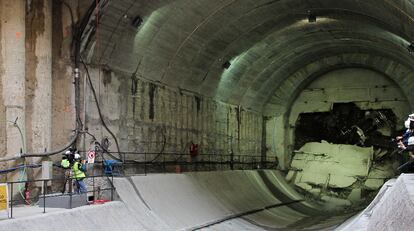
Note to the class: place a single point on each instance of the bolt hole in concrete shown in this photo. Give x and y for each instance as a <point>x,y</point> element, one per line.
<point>341,130</point>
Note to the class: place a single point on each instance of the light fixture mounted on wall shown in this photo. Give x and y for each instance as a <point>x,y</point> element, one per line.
<point>311,17</point>
<point>137,21</point>
<point>410,47</point>
<point>226,65</point>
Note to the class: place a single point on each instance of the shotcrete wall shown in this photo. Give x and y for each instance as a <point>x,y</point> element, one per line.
<point>150,117</point>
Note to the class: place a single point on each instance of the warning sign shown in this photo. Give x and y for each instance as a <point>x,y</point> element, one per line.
<point>91,157</point>
<point>4,201</point>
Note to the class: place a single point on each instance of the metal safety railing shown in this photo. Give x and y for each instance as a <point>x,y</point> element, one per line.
<point>144,163</point>
<point>138,163</point>
<point>53,191</point>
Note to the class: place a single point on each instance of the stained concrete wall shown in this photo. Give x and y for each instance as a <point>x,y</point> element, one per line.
<point>39,75</point>
<point>3,122</point>
<point>12,71</point>
<point>35,88</point>
<point>63,112</point>
<point>145,115</point>
<point>38,81</point>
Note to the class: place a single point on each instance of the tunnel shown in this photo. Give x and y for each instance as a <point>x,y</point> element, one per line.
<point>301,99</point>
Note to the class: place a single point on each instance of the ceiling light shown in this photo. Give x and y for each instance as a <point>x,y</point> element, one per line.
<point>311,17</point>
<point>226,65</point>
<point>410,47</point>
<point>137,21</point>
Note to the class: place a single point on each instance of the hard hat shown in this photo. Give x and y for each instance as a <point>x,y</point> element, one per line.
<point>411,140</point>
<point>67,152</point>
<point>407,123</point>
<point>77,156</point>
<point>411,116</point>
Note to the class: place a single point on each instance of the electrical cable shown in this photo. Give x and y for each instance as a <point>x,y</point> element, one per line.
<point>104,148</point>
<point>95,5</point>
<point>22,172</point>
<point>163,147</point>
<point>19,167</point>
<point>77,33</point>
<point>71,15</point>
<point>99,109</point>
<point>76,40</point>
<point>180,157</point>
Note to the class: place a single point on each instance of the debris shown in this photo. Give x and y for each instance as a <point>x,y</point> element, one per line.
<point>348,124</point>
<point>338,175</point>
<point>341,163</point>
<point>374,184</point>
<point>304,186</point>
<point>355,195</point>
<point>334,203</point>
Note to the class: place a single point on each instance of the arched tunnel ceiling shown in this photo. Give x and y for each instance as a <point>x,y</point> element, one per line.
<point>273,49</point>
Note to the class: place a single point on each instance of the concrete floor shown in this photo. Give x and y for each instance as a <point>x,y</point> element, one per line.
<point>217,201</point>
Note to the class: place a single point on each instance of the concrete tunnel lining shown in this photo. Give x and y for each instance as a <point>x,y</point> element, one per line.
<point>172,65</point>
<point>142,63</point>
<point>267,71</point>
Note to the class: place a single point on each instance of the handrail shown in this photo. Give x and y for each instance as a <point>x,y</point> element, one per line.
<point>59,194</point>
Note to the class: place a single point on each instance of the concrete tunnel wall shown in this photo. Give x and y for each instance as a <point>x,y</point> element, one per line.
<point>151,117</point>
<point>271,61</point>
<point>272,57</point>
<point>163,83</point>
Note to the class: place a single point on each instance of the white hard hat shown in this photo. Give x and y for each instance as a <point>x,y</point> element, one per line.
<point>77,156</point>
<point>67,152</point>
<point>411,116</point>
<point>407,123</point>
<point>411,140</point>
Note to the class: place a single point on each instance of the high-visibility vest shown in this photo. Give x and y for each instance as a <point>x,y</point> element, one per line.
<point>77,172</point>
<point>65,163</point>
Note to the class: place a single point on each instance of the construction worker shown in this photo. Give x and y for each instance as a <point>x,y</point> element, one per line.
<point>402,141</point>
<point>409,166</point>
<point>66,163</point>
<point>78,171</point>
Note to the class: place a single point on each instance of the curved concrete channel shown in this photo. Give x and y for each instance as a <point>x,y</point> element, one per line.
<point>229,200</point>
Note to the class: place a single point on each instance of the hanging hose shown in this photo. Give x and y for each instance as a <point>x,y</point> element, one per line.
<point>163,146</point>
<point>99,111</point>
<point>22,171</point>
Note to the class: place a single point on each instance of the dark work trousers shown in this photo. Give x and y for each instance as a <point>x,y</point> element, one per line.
<point>407,167</point>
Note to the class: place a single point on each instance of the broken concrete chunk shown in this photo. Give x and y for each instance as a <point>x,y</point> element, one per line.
<point>334,165</point>
<point>289,177</point>
<point>373,184</point>
<point>384,170</point>
<point>340,181</point>
<point>355,195</point>
<point>315,191</point>
<point>304,186</point>
<point>333,203</point>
